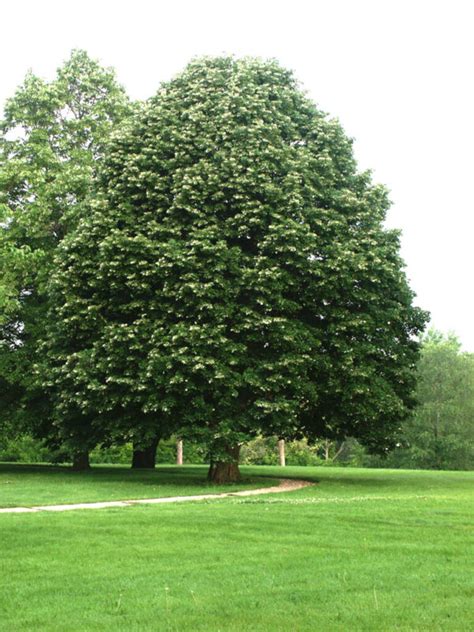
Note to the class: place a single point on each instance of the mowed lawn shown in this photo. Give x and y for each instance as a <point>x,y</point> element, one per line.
<point>360,550</point>
<point>28,485</point>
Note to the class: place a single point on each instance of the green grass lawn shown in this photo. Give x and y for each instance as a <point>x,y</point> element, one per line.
<point>27,485</point>
<point>361,550</point>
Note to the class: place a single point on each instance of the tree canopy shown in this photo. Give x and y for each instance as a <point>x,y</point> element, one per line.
<point>232,275</point>
<point>53,135</point>
<point>52,138</point>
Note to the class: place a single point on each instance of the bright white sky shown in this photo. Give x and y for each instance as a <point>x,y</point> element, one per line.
<point>398,74</point>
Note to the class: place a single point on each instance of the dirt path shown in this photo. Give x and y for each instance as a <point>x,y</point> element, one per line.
<point>285,485</point>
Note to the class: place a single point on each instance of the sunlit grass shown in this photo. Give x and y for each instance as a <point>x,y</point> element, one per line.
<point>27,485</point>
<point>361,550</point>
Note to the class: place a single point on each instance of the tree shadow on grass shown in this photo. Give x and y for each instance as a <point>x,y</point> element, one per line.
<point>182,476</point>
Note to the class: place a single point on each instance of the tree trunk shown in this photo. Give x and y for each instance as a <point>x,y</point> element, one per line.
<point>341,448</point>
<point>80,461</point>
<point>281,452</point>
<point>179,452</point>
<point>327,447</point>
<point>145,457</point>
<point>226,471</point>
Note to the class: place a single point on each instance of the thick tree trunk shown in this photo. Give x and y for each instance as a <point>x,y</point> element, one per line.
<point>80,461</point>
<point>281,452</point>
<point>144,457</point>
<point>179,452</point>
<point>226,471</point>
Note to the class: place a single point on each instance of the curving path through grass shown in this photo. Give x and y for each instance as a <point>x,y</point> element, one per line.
<point>285,485</point>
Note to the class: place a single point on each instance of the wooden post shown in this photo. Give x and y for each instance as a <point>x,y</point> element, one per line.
<point>179,452</point>
<point>281,452</point>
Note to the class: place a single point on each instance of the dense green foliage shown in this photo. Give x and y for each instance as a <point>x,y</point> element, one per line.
<point>440,433</point>
<point>52,137</point>
<point>361,550</point>
<point>232,275</point>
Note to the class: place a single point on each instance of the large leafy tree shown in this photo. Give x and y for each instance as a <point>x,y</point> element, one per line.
<point>235,274</point>
<point>53,136</point>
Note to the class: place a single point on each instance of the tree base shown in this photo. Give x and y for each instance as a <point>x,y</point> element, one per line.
<point>80,462</point>
<point>221,472</point>
<point>145,458</point>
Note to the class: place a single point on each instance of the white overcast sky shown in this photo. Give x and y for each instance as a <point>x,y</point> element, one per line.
<point>398,74</point>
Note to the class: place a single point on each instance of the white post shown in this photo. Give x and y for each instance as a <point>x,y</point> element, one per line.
<point>281,452</point>
<point>179,452</point>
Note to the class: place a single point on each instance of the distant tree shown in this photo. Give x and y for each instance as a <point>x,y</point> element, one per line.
<point>440,434</point>
<point>236,273</point>
<point>52,137</point>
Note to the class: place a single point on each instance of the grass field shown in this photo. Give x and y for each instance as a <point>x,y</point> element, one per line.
<point>361,550</point>
<point>28,485</point>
